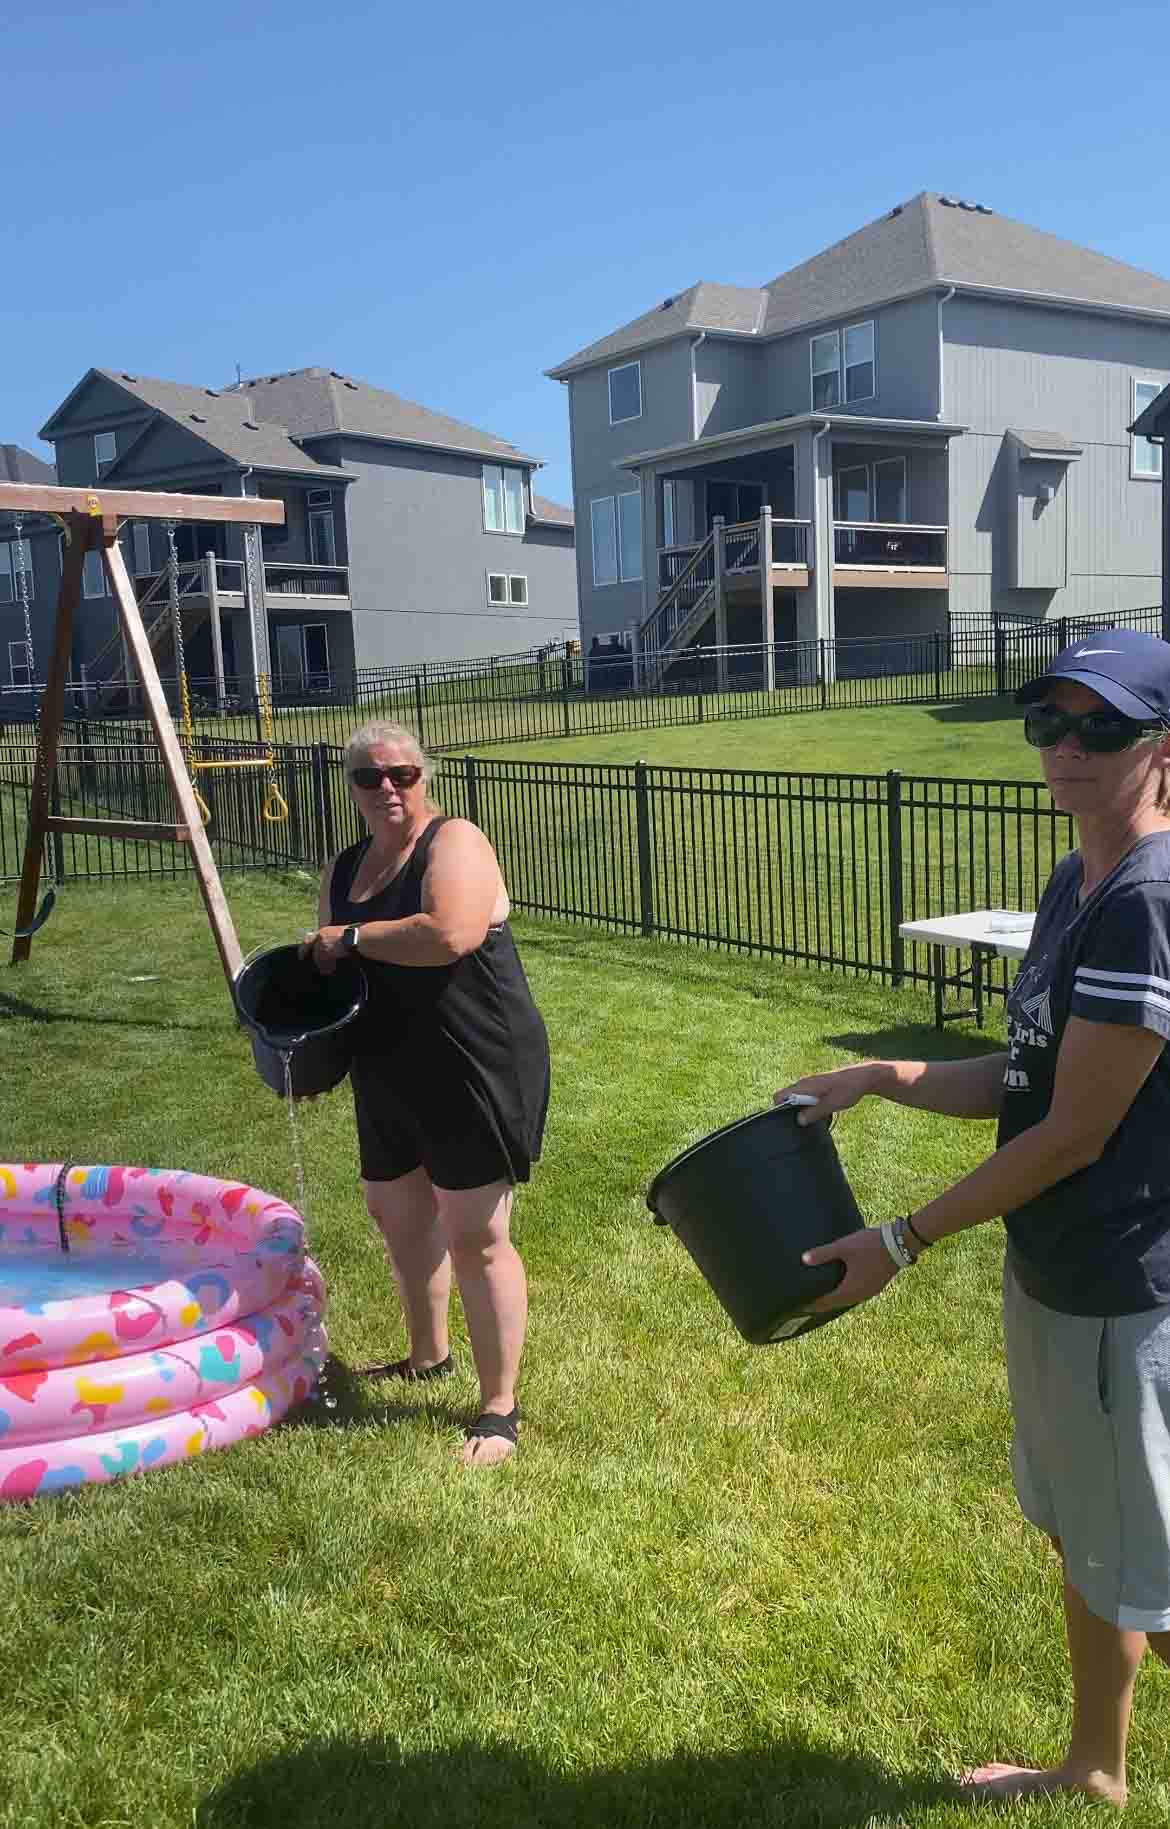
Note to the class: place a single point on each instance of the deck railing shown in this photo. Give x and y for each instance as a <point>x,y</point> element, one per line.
<point>897,545</point>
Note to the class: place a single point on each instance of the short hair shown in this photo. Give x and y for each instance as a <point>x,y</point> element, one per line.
<point>381,730</point>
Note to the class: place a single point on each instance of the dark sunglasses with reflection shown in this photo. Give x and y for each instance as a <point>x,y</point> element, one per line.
<point>1099,733</point>
<point>400,775</point>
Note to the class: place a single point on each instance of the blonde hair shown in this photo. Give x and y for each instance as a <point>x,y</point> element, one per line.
<point>365,739</point>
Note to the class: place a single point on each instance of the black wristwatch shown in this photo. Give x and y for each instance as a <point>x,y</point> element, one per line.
<point>349,937</point>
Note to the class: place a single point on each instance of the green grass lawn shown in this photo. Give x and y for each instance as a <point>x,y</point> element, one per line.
<point>719,1586</point>
<point>983,738</point>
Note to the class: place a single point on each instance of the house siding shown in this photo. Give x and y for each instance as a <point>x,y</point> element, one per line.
<point>597,448</point>
<point>1068,373</point>
<point>906,354</point>
<point>419,557</point>
<point>730,386</point>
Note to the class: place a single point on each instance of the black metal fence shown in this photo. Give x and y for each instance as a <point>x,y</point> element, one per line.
<point>818,869</point>
<point>547,694</point>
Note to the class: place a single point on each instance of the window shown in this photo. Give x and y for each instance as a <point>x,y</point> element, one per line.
<point>139,548</point>
<point>18,667</point>
<point>1145,455</point>
<point>604,529</point>
<point>617,538</point>
<point>322,537</point>
<point>889,489</point>
<point>860,370</point>
<point>630,536</point>
<point>105,450</point>
<point>503,499</point>
<point>826,370</point>
<point>669,515</point>
<point>15,558</point>
<point>625,393</point>
<point>497,587</point>
<point>843,366</point>
<point>316,654</point>
<point>517,588</point>
<point>93,574</point>
<point>853,494</point>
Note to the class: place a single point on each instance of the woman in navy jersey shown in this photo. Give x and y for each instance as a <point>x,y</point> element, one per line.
<point>1081,1176</point>
<point>450,1076</point>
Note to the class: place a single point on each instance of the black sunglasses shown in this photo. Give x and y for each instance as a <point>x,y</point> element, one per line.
<point>400,775</point>
<point>1099,733</point>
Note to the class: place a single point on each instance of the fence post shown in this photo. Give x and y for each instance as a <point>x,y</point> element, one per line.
<point>894,866</point>
<point>317,764</point>
<point>1000,645</point>
<point>1062,625</point>
<point>565,690</point>
<point>55,813</point>
<point>645,860</point>
<point>822,671</point>
<point>418,707</point>
<point>330,828</point>
<point>938,663</point>
<point>472,780</point>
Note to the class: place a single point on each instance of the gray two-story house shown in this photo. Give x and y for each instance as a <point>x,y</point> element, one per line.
<point>931,416</point>
<point>408,536</point>
<point>1152,427</point>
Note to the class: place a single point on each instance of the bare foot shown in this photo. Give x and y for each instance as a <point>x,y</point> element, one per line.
<point>1003,1783</point>
<point>491,1438</point>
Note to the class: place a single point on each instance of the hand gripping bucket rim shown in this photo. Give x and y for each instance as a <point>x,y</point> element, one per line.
<point>746,1201</point>
<point>318,1056</point>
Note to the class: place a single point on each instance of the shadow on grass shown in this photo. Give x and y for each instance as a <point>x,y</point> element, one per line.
<point>980,711</point>
<point>40,1013</point>
<point>918,1042</point>
<point>374,1784</point>
<point>343,1398</point>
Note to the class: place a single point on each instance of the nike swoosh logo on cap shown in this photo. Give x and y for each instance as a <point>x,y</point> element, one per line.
<point>1082,651</point>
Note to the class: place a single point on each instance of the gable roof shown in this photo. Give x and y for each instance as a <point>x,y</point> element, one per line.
<point>20,466</point>
<point>927,244</point>
<point>550,514</point>
<point>313,402</point>
<point>737,310</point>
<point>266,421</point>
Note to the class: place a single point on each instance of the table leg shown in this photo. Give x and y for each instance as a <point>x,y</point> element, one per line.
<point>936,961</point>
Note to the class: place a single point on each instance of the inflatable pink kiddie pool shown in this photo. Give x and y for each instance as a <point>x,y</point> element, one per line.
<point>146,1316</point>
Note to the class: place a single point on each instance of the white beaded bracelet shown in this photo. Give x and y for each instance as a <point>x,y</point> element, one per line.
<point>894,1246</point>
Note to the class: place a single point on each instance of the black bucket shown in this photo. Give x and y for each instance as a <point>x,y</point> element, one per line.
<point>746,1202</point>
<point>292,1011</point>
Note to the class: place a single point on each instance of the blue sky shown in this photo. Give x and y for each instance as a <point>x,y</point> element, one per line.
<point>445,200</point>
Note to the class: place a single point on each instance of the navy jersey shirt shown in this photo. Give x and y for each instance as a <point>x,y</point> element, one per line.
<point>1098,1242</point>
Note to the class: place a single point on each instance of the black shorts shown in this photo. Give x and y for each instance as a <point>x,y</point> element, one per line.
<point>452,1134</point>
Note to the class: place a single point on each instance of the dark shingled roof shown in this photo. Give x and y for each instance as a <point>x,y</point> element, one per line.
<point>930,242</point>
<point>20,466</point>
<point>311,402</point>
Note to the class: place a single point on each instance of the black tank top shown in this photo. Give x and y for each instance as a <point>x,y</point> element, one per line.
<point>475,1016</point>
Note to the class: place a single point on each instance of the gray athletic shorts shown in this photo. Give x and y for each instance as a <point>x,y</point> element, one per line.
<point>1091,1453</point>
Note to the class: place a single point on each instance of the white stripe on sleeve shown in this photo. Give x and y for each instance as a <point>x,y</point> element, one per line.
<point>1139,978</point>
<point>1150,998</point>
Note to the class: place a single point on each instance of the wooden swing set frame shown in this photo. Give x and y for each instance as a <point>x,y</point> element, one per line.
<point>91,519</point>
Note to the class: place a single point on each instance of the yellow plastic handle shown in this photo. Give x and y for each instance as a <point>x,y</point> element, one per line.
<point>275,808</point>
<point>201,805</point>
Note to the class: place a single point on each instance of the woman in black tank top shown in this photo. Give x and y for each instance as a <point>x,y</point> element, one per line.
<point>451,1073</point>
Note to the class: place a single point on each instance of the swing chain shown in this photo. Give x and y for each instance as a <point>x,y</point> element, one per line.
<point>275,808</point>
<point>18,523</point>
<point>176,615</point>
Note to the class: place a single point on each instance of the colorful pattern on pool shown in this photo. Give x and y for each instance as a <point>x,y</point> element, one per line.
<point>184,1316</point>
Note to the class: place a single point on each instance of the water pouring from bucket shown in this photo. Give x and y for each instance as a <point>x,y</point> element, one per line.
<point>303,1024</point>
<point>746,1203</point>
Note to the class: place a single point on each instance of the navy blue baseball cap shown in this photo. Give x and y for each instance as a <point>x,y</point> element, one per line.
<point>1129,670</point>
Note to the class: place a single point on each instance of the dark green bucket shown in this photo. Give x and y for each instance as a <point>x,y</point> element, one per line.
<point>746,1202</point>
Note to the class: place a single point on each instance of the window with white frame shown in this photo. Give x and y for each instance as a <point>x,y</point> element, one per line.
<point>616,527</point>
<point>825,358</point>
<point>625,393</point>
<point>853,493</point>
<point>889,489</point>
<point>630,536</point>
<point>860,368</point>
<point>18,667</point>
<point>140,548</point>
<point>843,366</point>
<point>507,587</point>
<point>517,588</point>
<point>15,559</point>
<point>503,499</point>
<point>1145,455</point>
<point>93,574</point>
<point>105,450</point>
<point>497,587</point>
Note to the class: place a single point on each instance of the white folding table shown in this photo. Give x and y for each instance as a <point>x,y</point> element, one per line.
<point>987,933</point>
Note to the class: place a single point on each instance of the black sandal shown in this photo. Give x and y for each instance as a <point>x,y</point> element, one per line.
<point>402,1368</point>
<point>489,1423</point>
